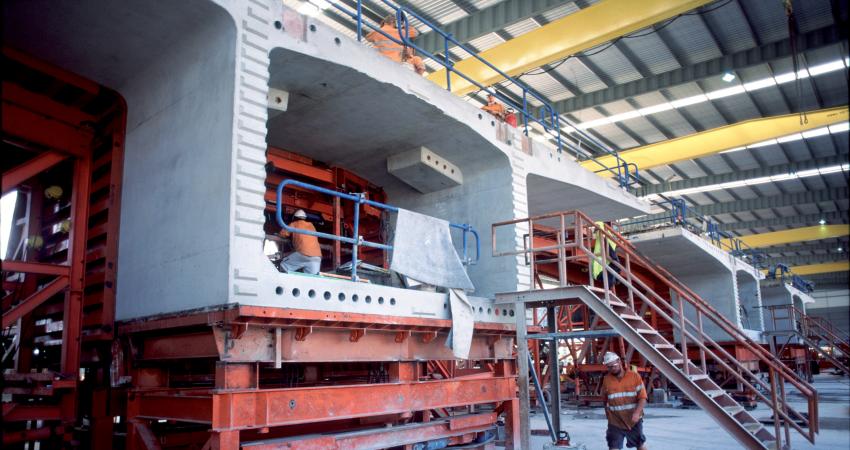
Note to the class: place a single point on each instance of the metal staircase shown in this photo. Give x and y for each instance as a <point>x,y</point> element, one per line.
<point>817,333</point>
<point>677,345</point>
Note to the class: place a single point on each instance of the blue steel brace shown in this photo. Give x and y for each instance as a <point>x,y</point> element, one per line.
<point>357,240</point>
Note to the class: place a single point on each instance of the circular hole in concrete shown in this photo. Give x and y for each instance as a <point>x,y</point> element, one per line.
<point>480,309</point>
<point>354,298</point>
<point>337,41</point>
<point>511,312</point>
<point>368,299</point>
<point>278,25</point>
<point>444,167</point>
<point>428,157</point>
<point>278,100</point>
<point>341,297</point>
<point>492,123</point>
<point>453,171</point>
<point>480,117</point>
<point>380,300</point>
<point>445,305</point>
<point>296,292</point>
<point>504,312</point>
<point>327,295</point>
<point>489,311</point>
<point>392,301</point>
<point>312,27</point>
<point>311,293</point>
<point>278,290</point>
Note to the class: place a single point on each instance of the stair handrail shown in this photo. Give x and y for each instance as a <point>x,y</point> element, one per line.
<point>686,293</point>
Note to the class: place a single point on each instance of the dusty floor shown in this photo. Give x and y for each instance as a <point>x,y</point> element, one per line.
<point>682,429</point>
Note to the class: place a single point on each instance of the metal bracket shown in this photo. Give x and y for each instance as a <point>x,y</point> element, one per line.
<point>356,334</point>
<point>429,336</point>
<point>301,333</point>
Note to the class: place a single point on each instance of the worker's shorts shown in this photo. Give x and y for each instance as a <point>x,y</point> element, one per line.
<point>296,261</point>
<point>633,437</point>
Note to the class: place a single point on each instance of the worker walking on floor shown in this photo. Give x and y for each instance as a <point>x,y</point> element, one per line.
<point>393,48</point>
<point>307,255</point>
<point>624,396</point>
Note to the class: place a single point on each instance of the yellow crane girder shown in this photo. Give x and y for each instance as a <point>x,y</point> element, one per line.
<point>812,269</point>
<point>803,234</point>
<point>720,139</point>
<point>584,29</point>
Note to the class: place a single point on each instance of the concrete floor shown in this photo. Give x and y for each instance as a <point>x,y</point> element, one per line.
<point>681,429</point>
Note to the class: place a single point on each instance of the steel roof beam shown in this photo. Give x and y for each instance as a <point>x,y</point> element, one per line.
<point>805,219</point>
<point>754,204</point>
<point>828,247</point>
<point>487,20</point>
<point>716,140</point>
<point>584,29</point>
<point>739,175</point>
<point>802,234</point>
<point>762,54</point>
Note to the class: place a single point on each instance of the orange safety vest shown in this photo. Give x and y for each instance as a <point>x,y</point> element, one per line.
<point>305,244</point>
<point>622,397</point>
<point>496,109</point>
<point>389,48</point>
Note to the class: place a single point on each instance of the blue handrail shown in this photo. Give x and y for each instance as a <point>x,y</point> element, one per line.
<point>358,240</point>
<point>548,118</point>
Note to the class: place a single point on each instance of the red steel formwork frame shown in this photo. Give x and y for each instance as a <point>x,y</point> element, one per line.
<point>420,399</point>
<point>75,139</point>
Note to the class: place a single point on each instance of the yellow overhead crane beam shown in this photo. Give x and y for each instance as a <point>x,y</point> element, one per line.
<point>811,269</point>
<point>584,29</point>
<point>803,234</point>
<point>720,139</point>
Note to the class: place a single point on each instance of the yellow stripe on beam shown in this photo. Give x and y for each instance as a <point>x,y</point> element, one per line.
<point>811,269</point>
<point>720,139</point>
<point>584,29</point>
<point>803,234</point>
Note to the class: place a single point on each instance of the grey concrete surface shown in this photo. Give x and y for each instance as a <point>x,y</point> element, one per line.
<point>693,429</point>
<point>727,283</point>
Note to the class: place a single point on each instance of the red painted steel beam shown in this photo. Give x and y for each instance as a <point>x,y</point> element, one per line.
<point>248,409</point>
<point>302,169</point>
<point>37,434</point>
<point>61,74</point>
<point>33,301</point>
<point>15,176</point>
<point>385,437</point>
<point>146,436</point>
<point>23,412</point>
<point>14,93</point>
<point>39,268</point>
<point>33,127</point>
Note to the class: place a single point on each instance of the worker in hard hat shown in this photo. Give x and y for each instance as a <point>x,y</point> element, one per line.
<point>307,255</point>
<point>624,395</point>
<point>495,108</point>
<point>394,48</point>
<point>596,267</point>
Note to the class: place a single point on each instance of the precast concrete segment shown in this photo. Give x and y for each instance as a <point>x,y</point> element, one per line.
<point>712,273</point>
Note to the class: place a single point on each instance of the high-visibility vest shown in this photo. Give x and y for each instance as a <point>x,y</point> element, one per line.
<point>596,267</point>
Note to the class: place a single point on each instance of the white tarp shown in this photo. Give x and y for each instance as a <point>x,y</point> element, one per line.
<point>423,250</point>
<point>460,338</point>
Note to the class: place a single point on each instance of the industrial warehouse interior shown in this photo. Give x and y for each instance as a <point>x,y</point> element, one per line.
<point>425,224</point>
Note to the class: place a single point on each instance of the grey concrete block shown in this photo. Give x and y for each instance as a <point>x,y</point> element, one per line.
<point>424,170</point>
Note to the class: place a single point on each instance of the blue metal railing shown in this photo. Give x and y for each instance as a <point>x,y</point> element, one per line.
<point>357,241</point>
<point>679,214</point>
<point>625,173</point>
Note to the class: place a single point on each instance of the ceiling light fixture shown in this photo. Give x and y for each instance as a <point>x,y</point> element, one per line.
<point>728,77</point>
<point>822,222</point>
<point>839,249</point>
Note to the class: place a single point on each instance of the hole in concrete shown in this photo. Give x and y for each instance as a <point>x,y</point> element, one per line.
<point>312,27</point>
<point>354,298</point>
<point>337,41</point>
<point>444,167</point>
<point>278,99</point>
<point>278,25</point>
<point>480,117</point>
<point>428,157</point>
<point>368,299</point>
<point>341,297</point>
<point>278,290</point>
<point>296,292</point>
<point>492,123</point>
<point>327,295</point>
<point>489,311</point>
<point>437,162</point>
<point>453,171</point>
<point>504,312</point>
<point>480,309</point>
<point>392,301</point>
<point>445,305</point>
<point>311,293</point>
<point>511,312</point>
<point>380,300</point>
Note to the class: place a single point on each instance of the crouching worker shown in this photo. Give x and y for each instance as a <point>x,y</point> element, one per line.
<point>392,48</point>
<point>307,255</point>
<point>624,396</point>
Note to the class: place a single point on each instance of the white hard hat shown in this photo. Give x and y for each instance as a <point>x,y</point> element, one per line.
<point>300,214</point>
<point>610,358</point>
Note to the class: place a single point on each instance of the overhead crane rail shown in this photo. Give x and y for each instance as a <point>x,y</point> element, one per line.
<point>626,173</point>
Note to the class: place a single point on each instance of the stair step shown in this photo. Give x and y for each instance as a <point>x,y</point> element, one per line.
<point>752,427</point>
<point>614,302</point>
<point>698,377</point>
<point>660,346</point>
<point>770,443</point>
<point>629,317</point>
<point>732,410</point>
<point>646,331</point>
<point>677,362</point>
<point>714,393</point>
